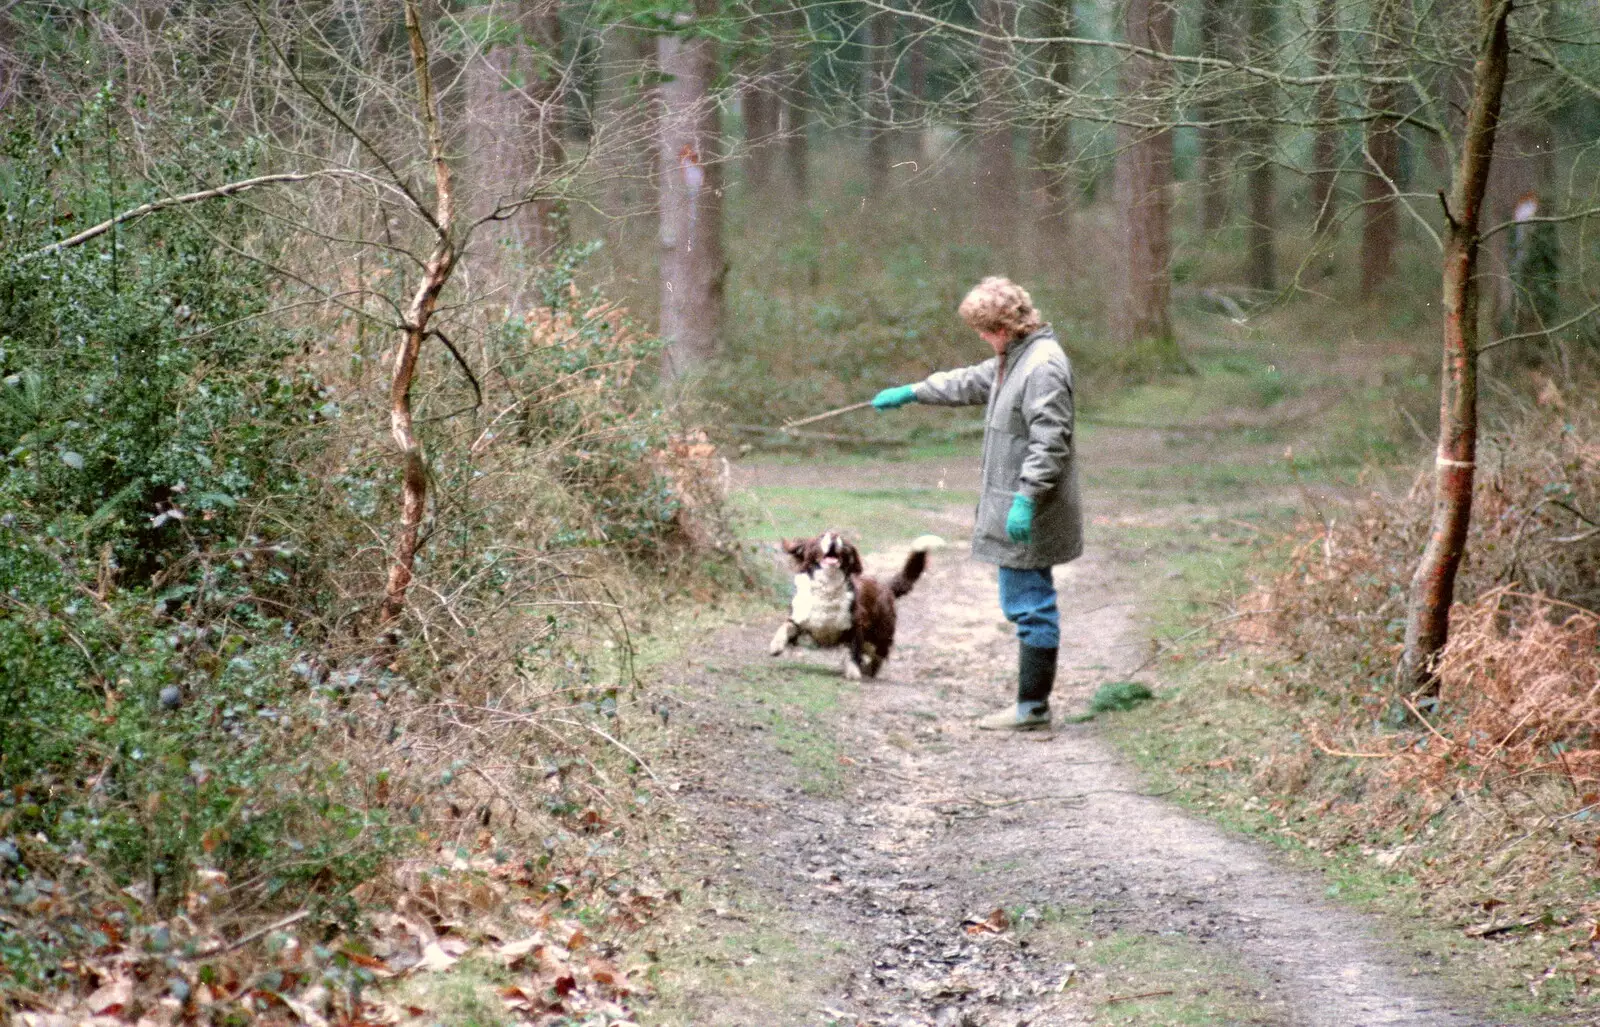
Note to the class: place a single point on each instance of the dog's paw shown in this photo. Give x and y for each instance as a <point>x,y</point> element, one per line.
<point>780,641</point>
<point>852,671</point>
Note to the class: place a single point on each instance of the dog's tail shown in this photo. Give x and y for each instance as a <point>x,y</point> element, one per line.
<point>916,563</point>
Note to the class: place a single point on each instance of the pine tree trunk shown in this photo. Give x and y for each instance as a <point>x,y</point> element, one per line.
<point>1143,185</point>
<point>796,117</point>
<point>917,86</point>
<point>1325,144</point>
<point>692,268</point>
<point>1053,151</point>
<point>996,158</point>
<point>875,88</point>
<point>1261,271</point>
<point>1433,585</point>
<point>1524,174</point>
<point>623,145</point>
<point>1380,227</point>
<point>1219,30</point>
<point>541,20</point>
<point>759,103</point>
<point>514,122</point>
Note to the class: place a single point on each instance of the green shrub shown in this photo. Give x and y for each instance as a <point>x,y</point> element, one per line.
<point>157,714</point>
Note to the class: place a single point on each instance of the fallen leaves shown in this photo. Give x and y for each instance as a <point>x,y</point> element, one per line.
<point>997,922</point>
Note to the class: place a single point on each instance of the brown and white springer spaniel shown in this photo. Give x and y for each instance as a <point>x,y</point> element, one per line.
<point>835,604</point>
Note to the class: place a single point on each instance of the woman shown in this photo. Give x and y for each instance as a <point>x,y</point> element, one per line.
<point>1029,515</point>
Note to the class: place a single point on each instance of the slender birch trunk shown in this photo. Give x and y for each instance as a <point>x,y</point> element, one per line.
<point>1433,585</point>
<point>435,273</point>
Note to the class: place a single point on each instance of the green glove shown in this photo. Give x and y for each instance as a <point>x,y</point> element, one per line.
<point>898,396</point>
<point>1019,522</point>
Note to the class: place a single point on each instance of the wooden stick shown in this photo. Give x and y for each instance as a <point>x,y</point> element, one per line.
<point>221,947</point>
<point>831,413</point>
<point>1114,999</point>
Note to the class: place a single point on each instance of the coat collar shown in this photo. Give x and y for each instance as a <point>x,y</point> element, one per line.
<point>1016,347</point>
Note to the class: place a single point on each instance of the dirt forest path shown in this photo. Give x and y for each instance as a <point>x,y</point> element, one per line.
<point>870,894</point>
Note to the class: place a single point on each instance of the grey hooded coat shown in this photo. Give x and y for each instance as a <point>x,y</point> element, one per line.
<point>1027,448</point>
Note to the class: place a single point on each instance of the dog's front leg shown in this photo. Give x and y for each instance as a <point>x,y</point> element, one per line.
<point>852,667</point>
<point>788,631</point>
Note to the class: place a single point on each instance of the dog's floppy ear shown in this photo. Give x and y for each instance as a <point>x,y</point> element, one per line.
<point>850,559</point>
<point>795,548</point>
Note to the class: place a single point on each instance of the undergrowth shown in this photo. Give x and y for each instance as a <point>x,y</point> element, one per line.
<point>222,780</point>
<point>1475,811</point>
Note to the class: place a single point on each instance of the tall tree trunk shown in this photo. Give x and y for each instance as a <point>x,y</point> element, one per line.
<point>1433,585</point>
<point>759,103</point>
<point>514,120</point>
<point>692,268</point>
<point>1522,180</point>
<point>436,273</point>
<point>797,110</point>
<point>1219,30</point>
<point>875,87</point>
<point>1261,270</point>
<point>1053,152</point>
<point>1143,186</point>
<point>996,165</point>
<point>1325,144</point>
<point>623,144</point>
<point>541,21</point>
<point>917,86</point>
<point>1380,227</point>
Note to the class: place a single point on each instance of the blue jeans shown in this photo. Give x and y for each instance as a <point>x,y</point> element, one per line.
<point>1028,598</point>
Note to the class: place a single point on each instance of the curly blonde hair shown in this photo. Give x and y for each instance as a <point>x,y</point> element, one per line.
<point>1000,305</point>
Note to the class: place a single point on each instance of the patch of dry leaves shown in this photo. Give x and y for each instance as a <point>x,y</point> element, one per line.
<point>433,914</point>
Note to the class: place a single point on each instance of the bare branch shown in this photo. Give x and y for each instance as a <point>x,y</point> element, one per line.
<point>214,193</point>
<point>1132,50</point>
<point>1541,332</point>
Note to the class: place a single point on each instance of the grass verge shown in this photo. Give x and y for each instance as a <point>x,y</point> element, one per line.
<point>1143,979</point>
<point>1231,745</point>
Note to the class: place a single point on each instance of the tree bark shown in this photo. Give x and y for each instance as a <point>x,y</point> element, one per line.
<point>1433,585</point>
<point>692,268</point>
<point>514,120</point>
<point>1523,177</point>
<point>796,121</point>
<point>623,145</point>
<point>1261,271</point>
<point>435,273</point>
<point>879,112</point>
<point>917,87</point>
<point>759,104</point>
<point>1143,184</point>
<point>996,158</point>
<point>1054,148</point>
<point>1380,228</point>
<point>1219,30</point>
<point>1325,143</point>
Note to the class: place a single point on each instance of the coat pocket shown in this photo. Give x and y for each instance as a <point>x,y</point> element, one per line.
<point>1002,461</point>
<point>993,508</point>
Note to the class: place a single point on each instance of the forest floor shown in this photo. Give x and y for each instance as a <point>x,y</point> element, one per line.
<point>865,856</point>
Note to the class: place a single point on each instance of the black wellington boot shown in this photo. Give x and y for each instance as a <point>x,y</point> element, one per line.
<point>1036,676</point>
